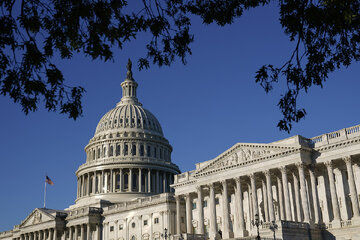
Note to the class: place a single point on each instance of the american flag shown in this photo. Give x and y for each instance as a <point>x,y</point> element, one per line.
<point>48,180</point>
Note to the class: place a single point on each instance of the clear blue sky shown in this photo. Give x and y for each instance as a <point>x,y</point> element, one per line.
<point>204,108</point>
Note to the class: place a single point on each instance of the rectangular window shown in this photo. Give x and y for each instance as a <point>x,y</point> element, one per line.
<point>229,199</point>
<point>205,203</point>
<point>111,228</point>
<point>145,222</point>
<point>193,205</point>
<point>156,220</point>
<point>217,201</point>
<point>120,227</point>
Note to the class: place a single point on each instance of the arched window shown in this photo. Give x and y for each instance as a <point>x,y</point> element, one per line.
<point>141,150</point>
<point>161,153</point>
<point>134,181</point>
<point>117,186</point>
<point>111,151</point>
<point>98,153</point>
<point>126,149</point>
<point>154,152</point>
<point>96,184</point>
<point>133,150</point>
<point>93,155</point>
<point>104,152</point>
<point>117,150</point>
<point>148,151</point>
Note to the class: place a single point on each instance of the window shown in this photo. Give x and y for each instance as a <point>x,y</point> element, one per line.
<point>133,225</point>
<point>121,227</point>
<point>229,199</point>
<point>111,228</point>
<point>154,152</point>
<point>205,203</point>
<point>193,205</point>
<point>117,150</point>
<point>148,151</point>
<point>111,151</point>
<point>217,201</point>
<point>156,220</point>
<point>161,153</point>
<point>133,150</point>
<point>126,149</point>
<point>145,222</point>
<point>141,150</point>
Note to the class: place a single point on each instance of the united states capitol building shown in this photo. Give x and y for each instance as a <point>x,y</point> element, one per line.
<point>128,188</point>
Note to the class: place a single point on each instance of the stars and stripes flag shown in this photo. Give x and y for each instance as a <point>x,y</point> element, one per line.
<point>48,181</point>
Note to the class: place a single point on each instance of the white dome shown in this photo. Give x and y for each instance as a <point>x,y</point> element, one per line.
<point>129,117</point>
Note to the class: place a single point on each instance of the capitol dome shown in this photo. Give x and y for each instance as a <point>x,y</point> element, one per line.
<point>128,157</point>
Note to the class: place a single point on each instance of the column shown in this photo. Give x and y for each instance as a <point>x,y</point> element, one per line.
<point>71,233</point>
<point>82,232</point>
<point>314,195</point>
<point>121,178</point>
<point>112,182</point>
<point>297,197</point>
<point>130,183</point>
<point>88,185</point>
<point>265,201</point>
<point>51,234</point>
<point>101,188</point>
<point>88,231</point>
<point>352,187</point>
<point>226,213</point>
<point>149,181</point>
<point>55,234</point>
<point>213,226</point>
<point>94,183</point>
<point>334,199</point>
<point>140,184</point>
<point>178,217</point>
<point>157,182</point>
<point>269,196</point>
<point>254,195</point>
<point>304,199</point>
<point>286,193</point>
<point>239,209</point>
<point>200,210</point>
<point>280,198</point>
<point>165,182</point>
<point>76,232</point>
<point>99,231</point>
<point>188,214</point>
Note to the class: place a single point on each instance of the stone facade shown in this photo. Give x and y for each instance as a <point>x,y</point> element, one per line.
<point>128,188</point>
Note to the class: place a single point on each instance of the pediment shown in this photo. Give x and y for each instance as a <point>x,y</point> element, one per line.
<point>37,216</point>
<point>242,153</point>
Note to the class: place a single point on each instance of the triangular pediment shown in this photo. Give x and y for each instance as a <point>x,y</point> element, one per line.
<point>242,153</point>
<point>36,217</point>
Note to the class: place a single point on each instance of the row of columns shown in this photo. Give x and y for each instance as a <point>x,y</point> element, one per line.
<point>301,204</point>
<point>124,180</point>
<point>76,232</point>
<point>127,149</point>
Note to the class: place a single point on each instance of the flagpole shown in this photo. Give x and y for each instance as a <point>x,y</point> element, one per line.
<point>45,196</point>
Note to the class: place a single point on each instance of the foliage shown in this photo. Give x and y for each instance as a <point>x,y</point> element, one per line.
<point>325,33</point>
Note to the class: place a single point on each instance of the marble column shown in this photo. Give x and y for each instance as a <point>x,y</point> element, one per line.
<point>71,233</point>
<point>200,210</point>
<point>112,182</point>
<point>352,187</point>
<point>88,185</point>
<point>269,196</point>
<point>240,209</point>
<point>98,230</point>
<point>121,180</point>
<point>226,213</point>
<point>265,201</point>
<point>280,198</point>
<point>314,195</point>
<point>297,197</point>
<point>254,194</point>
<point>178,217</point>
<point>188,214</point>
<point>286,193</point>
<point>55,234</point>
<point>304,199</point>
<point>51,234</point>
<point>149,180</point>
<point>213,226</point>
<point>101,188</point>
<point>82,232</point>
<point>88,231</point>
<point>94,184</point>
<point>130,182</point>
<point>140,184</point>
<point>76,232</point>
<point>334,198</point>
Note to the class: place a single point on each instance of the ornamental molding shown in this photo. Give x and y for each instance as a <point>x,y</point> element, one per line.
<point>243,153</point>
<point>37,216</point>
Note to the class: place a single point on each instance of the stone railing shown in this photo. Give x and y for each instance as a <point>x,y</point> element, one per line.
<point>141,202</point>
<point>83,212</point>
<point>291,224</point>
<point>345,223</point>
<point>183,177</point>
<point>342,134</point>
<point>5,234</point>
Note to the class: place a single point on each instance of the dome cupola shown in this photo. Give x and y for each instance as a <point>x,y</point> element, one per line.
<point>128,157</point>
